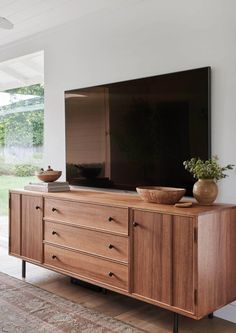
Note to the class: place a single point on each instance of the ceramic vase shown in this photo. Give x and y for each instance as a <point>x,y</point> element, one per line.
<point>205,191</point>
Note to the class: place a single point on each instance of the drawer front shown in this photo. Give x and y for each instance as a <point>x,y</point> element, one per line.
<point>110,246</point>
<point>113,274</point>
<point>101,217</point>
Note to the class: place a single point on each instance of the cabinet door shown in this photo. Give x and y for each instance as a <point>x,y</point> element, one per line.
<point>15,224</point>
<point>32,215</point>
<point>183,263</point>
<point>152,256</point>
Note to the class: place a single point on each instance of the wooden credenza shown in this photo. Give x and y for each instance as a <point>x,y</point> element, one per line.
<point>181,259</point>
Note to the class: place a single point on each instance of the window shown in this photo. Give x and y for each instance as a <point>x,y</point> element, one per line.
<point>21,126</point>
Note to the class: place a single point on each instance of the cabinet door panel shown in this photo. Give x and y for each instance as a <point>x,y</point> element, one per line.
<point>32,214</point>
<point>15,224</point>
<point>183,259</point>
<point>152,252</point>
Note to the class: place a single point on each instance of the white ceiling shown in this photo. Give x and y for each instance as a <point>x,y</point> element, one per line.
<point>22,71</point>
<point>34,16</point>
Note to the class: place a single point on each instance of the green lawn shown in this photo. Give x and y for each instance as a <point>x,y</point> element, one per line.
<point>10,182</point>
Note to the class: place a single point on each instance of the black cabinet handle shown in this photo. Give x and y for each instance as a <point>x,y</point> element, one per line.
<point>54,209</point>
<point>135,224</point>
<point>110,246</point>
<point>54,232</point>
<point>110,274</point>
<point>54,257</point>
<point>37,207</point>
<point>110,219</point>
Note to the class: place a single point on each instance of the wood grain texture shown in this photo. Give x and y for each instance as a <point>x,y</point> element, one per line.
<point>152,255</point>
<point>167,265</point>
<point>151,319</point>
<point>15,224</point>
<point>87,266</point>
<point>124,200</point>
<point>102,244</point>
<point>230,255</point>
<point>32,225</point>
<point>216,260</point>
<point>183,259</point>
<point>160,194</point>
<point>99,217</point>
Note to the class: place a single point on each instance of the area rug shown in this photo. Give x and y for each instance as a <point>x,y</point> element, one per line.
<point>25,308</point>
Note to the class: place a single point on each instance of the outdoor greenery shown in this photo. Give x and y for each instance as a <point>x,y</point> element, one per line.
<point>7,182</point>
<point>5,168</point>
<point>36,89</point>
<point>22,129</point>
<point>19,170</point>
<point>207,169</point>
<point>25,170</point>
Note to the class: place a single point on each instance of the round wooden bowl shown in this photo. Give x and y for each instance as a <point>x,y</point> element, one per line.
<point>48,176</point>
<point>161,195</point>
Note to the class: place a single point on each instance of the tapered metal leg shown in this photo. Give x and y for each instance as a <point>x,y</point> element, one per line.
<point>23,269</point>
<point>176,323</point>
<point>211,315</point>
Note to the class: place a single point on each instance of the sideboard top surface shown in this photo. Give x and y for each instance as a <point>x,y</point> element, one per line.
<point>126,201</point>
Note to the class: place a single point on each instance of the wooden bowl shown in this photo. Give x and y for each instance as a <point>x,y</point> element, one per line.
<point>48,176</point>
<point>161,195</point>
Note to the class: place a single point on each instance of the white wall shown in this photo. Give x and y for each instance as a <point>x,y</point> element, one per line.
<point>144,37</point>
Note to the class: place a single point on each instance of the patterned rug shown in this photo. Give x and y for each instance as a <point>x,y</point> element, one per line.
<point>25,308</point>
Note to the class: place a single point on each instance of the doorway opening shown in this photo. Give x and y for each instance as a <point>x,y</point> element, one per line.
<point>21,127</point>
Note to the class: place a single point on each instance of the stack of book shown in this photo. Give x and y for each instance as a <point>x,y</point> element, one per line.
<point>48,187</point>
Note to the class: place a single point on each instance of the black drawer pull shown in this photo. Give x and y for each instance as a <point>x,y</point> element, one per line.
<point>54,209</point>
<point>110,219</point>
<point>54,233</point>
<point>110,246</point>
<point>54,257</point>
<point>37,207</point>
<point>110,274</point>
<point>135,224</point>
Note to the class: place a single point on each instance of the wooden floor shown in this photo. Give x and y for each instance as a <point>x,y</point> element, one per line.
<point>139,314</point>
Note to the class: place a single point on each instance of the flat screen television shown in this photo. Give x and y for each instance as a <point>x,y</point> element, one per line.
<point>138,132</point>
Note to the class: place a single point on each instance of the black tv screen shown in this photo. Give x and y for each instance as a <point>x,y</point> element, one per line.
<point>138,132</point>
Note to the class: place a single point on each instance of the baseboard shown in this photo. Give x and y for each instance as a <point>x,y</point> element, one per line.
<point>228,312</point>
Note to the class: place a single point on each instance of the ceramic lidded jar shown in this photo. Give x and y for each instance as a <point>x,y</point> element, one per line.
<point>205,191</point>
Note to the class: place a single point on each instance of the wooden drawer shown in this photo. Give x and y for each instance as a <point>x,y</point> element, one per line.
<point>87,266</point>
<point>100,217</point>
<point>110,246</point>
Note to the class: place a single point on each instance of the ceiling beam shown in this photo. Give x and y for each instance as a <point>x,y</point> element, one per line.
<point>32,65</point>
<point>16,84</point>
<point>14,74</point>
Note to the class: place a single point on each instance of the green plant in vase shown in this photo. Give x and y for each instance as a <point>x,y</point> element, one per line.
<point>208,172</point>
